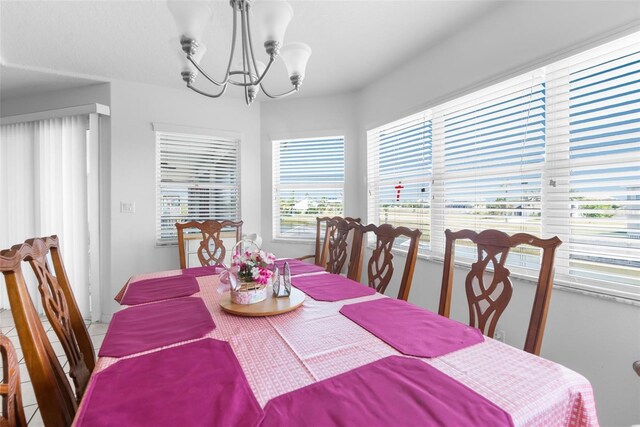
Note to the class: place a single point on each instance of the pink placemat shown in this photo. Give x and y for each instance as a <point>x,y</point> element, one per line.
<point>412,330</point>
<point>331,287</point>
<point>206,270</point>
<point>298,267</point>
<point>137,329</point>
<point>195,384</point>
<point>394,391</point>
<point>152,290</point>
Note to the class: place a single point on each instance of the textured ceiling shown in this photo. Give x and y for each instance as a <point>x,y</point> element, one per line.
<point>353,42</point>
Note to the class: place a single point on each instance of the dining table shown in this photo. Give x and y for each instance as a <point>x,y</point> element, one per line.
<point>319,364</point>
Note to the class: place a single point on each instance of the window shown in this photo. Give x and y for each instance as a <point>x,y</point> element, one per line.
<point>308,181</point>
<point>553,152</point>
<point>493,159</point>
<point>400,187</point>
<point>198,178</point>
<point>594,167</point>
<point>46,188</point>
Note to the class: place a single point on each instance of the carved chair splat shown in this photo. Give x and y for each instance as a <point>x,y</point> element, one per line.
<point>62,310</point>
<point>54,395</point>
<point>380,267</point>
<point>487,301</point>
<point>338,234</point>
<point>211,250</point>
<point>323,230</point>
<point>12,409</point>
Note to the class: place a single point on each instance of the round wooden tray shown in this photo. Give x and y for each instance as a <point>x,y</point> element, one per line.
<point>269,307</point>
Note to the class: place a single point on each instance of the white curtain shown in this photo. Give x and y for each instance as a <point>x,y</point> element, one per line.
<point>43,191</point>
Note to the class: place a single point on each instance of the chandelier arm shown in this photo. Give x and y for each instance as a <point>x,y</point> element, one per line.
<point>207,76</point>
<point>246,67</point>
<point>282,95</point>
<point>210,95</point>
<point>233,48</point>
<point>246,64</point>
<point>272,57</point>
<point>235,83</point>
<point>233,44</point>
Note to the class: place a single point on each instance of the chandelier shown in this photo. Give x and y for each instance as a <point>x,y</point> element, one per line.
<point>272,17</point>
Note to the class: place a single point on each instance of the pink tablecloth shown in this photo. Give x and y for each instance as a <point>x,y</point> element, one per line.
<point>283,353</point>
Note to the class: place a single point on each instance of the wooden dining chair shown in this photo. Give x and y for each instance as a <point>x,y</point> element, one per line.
<point>12,409</point>
<point>487,302</point>
<point>211,250</point>
<point>322,231</point>
<point>56,401</point>
<point>380,267</point>
<point>343,235</point>
<point>61,309</point>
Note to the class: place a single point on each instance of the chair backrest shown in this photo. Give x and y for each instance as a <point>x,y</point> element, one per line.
<point>488,302</point>
<point>380,267</point>
<point>211,250</point>
<point>62,310</point>
<point>338,236</point>
<point>12,410</point>
<point>56,401</point>
<point>323,230</point>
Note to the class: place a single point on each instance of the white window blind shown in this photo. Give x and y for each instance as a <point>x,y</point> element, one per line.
<point>493,157</point>
<point>594,167</point>
<point>308,181</point>
<point>399,178</point>
<point>553,152</point>
<point>198,178</point>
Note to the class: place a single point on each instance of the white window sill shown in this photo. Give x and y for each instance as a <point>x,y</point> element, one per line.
<point>557,284</point>
<point>309,241</point>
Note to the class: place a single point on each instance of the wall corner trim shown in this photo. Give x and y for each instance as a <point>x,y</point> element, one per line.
<point>101,109</point>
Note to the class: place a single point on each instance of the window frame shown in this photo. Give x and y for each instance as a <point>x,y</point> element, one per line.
<point>180,131</point>
<point>276,236</point>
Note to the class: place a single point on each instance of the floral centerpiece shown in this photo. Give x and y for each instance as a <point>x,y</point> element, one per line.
<point>253,266</point>
<point>251,271</point>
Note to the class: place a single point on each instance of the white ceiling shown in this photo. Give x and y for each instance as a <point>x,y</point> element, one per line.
<point>353,42</point>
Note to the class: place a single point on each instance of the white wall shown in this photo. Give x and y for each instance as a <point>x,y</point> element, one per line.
<point>596,337</point>
<point>512,38</point>
<point>134,107</point>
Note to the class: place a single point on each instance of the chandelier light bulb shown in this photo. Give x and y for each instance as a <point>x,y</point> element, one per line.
<point>191,17</point>
<point>272,17</point>
<point>295,57</point>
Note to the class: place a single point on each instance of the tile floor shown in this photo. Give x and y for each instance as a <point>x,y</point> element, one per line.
<point>96,330</point>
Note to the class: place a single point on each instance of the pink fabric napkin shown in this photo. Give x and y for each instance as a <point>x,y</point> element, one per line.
<point>331,287</point>
<point>206,270</point>
<point>395,391</point>
<point>151,290</point>
<point>412,330</point>
<point>195,384</point>
<point>298,267</point>
<point>137,329</point>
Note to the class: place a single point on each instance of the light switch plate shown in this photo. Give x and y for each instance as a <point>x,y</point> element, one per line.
<point>127,207</point>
